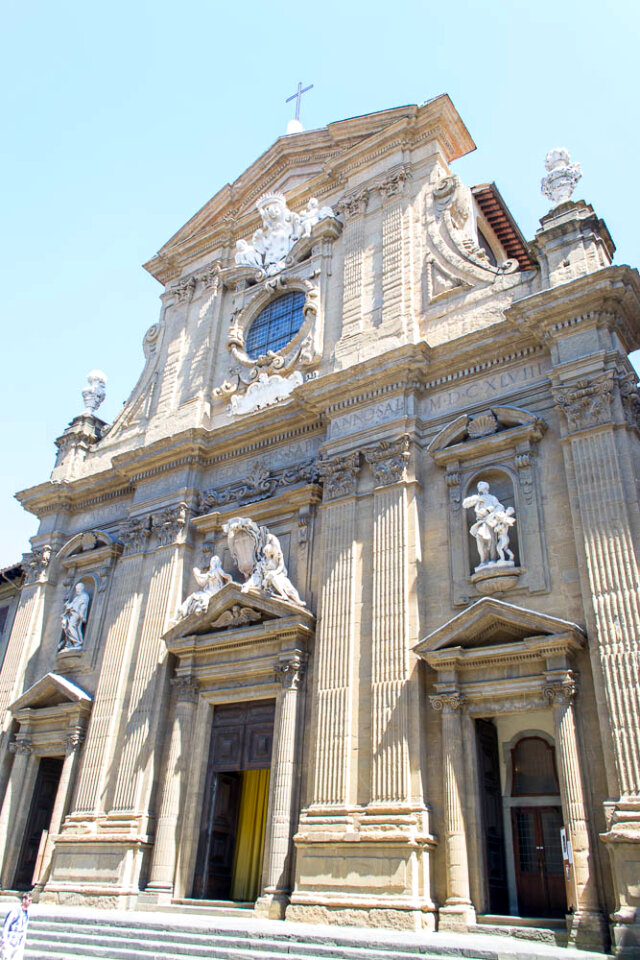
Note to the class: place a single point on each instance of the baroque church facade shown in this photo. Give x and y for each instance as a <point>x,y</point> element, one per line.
<point>340,617</point>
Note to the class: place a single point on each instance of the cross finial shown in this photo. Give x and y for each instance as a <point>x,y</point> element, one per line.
<point>294,126</point>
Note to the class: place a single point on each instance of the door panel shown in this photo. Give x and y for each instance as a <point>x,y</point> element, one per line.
<point>44,797</point>
<point>492,820</point>
<point>538,861</point>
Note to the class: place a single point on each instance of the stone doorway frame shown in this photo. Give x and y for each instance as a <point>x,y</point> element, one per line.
<point>246,647</point>
<point>497,658</point>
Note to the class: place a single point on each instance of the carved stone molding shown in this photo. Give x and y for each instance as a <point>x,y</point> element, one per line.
<point>561,691</point>
<point>388,459</point>
<point>448,702</point>
<point>259,483</point>
<point>394,182</point>
<point>187,689</point>
<point>339,475</point>
<point>168,524</point>
<point>586,403</point>
<point>237,616</point>
<point>35,564</point>
<point>135,534</point>
<point>21,747</point>
<point>290,672</point>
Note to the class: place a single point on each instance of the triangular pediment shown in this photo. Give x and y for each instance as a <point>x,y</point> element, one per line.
<point>51,691</point>
<point>231,609</point>
<point>490,621</point>
<point>304,164</point>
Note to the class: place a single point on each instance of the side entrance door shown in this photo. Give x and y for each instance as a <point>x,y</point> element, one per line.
<point>538,861</point>
<point>44,796</point>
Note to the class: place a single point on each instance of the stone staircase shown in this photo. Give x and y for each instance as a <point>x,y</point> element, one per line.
<point>80,933</point>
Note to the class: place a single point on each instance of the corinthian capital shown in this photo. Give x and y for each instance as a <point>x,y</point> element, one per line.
<point>135,533</point>
<point>36,563</point>
<point>586,403</point>
<point>21,747</point>
<point>339,475</point>
<point>290,671</point>
<point>168,523</point>
<point>388,459</point>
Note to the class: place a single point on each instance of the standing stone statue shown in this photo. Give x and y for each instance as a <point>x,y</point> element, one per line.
<point>491,527</point>
<point>274,573</point>
<point>211,581</point>
<point>74,619</point>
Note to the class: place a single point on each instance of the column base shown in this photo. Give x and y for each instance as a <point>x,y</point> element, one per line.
<point>457,917</point>
<point>588,931</point>
<point>272,906</point>
<point>156,894</point>
<point>625,934</point>
<point>623,843</point>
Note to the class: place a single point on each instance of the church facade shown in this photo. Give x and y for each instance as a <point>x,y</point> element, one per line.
<point>340,617</point>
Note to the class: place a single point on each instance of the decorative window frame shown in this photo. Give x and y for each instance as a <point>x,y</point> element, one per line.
<point>87,556</point>
<point>509,449</point>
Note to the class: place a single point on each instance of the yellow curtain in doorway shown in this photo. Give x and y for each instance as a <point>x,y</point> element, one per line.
<point>252,820</point>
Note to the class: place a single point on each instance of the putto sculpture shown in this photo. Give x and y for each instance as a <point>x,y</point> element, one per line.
<point>491,528</point>
<point>259,558</point>
<point>562,176</point>
<point>280,229</point>
<point>211,581</point>
<point>74,618</point>
<point>94,394</point>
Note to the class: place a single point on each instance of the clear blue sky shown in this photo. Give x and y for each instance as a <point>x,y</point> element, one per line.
<point>120,120</point>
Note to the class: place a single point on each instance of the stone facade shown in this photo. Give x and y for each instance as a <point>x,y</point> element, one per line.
<point>437,359</point>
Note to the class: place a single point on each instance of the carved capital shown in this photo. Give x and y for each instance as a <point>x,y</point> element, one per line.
<point>561,691</point>
<point>186,689</point>
<point>169,523</point>
<point>452,478</point>
<point>354,204</point>
<point>73,739</point>
<point>185,289</point>
<point>448,702</point>
<point>22,748</point>
<point>394,182</point>
<point>135,533</point>
<point>586,403</point>
<point>35,564</point>
<point>630,396</point>
<point>211,277</point>
<point>388,460</point>
<point>290,672</point>
<point>339,475</point>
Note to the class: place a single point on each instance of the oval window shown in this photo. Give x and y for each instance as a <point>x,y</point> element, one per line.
<point>276,325</point>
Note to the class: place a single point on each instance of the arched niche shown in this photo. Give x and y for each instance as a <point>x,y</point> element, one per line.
<point>502,485</point>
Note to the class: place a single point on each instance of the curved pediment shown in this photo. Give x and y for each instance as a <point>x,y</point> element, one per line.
<point>491,621</point>
<point>497,426</point>
<point>230,609</point>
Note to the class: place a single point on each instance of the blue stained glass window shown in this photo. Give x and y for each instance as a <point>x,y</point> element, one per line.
<point>276,325</point>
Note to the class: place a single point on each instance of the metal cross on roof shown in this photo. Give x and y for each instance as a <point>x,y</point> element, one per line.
<point>298,97</point>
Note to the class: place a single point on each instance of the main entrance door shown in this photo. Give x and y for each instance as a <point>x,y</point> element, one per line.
<point>44,796</point>
<point>232,829</point>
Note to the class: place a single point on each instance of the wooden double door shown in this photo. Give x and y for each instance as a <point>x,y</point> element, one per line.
<point>233,821</point>
<point>538,861</point>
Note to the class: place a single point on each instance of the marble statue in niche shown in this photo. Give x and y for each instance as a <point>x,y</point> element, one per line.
<point>491,527</point>
<point>74,618</point>
<point>211,581</point>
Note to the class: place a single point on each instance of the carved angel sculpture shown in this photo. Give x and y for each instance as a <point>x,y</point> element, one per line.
<point>313,214</point>
<point>274,572</point>
<point>211,581</point>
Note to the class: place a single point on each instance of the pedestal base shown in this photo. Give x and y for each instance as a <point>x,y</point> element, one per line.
<point>458,917</point>
<point>272,906</point>
<point>588,931</point>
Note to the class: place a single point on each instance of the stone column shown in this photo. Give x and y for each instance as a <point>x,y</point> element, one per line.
<point>284,766</point>
<point>176,764</point>
<point>390,774</point>
<point>334,650</point>
<point>17,802</point>
<point>587,926</point>
<point>458,912</point>
<point>612,568</point>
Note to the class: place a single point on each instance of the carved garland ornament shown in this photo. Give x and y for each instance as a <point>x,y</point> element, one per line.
<point>259,483</point>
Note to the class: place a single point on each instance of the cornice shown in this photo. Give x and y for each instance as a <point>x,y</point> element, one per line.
<point>611,290</point>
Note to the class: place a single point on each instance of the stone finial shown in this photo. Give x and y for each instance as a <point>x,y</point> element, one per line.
<point>562,176</point>
<point>94,394</point>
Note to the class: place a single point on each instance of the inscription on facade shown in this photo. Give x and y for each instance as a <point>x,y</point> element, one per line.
<point>492,387</point>
<point>368,417</point>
